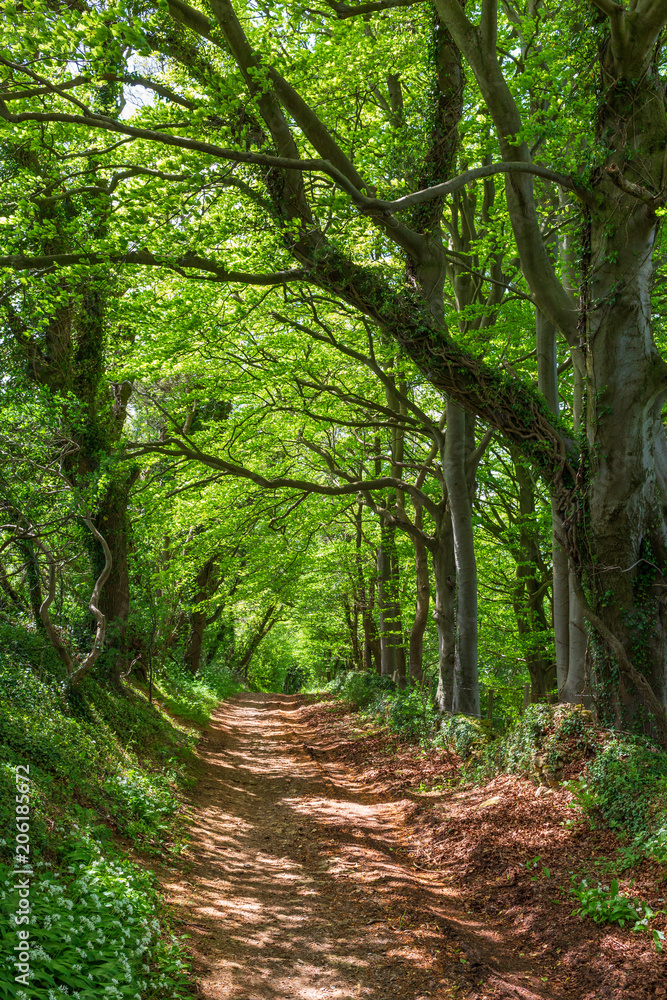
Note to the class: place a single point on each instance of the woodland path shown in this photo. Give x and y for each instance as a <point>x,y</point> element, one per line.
<point>300,885</point>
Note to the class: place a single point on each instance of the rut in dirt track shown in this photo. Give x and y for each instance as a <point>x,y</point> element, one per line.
<point>299,887</point>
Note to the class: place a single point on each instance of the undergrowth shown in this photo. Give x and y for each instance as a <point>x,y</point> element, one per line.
<point>616,779</point>
<point>408,712</point>
<point>194,698</point>
<point>106,772</point>
<point>607,904</point>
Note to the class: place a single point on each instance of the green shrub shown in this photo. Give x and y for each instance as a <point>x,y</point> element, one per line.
<point>361,688</point>
<point>654,841</point>
<point>142,803</point>
<point>626,784</point>
<point>295,679</point>
<point>410,713</point>
<point>99,762</point>
<point>93,931</point>
<point>194,697</point>
<point>556,733</point>
<point>514,753</point>
<point>607,904</point>
<point>462,733</point>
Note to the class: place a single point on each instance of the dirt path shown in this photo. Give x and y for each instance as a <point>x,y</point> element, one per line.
<point>300,886</point>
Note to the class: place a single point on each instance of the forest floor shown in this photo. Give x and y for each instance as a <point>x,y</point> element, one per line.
<point>317,870</point>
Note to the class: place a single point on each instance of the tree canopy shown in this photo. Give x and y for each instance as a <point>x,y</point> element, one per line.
<point>333,335</point>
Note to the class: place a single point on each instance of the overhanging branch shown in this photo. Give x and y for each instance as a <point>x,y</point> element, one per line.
<point>609,7</point>
<point>131,79</point>
<point>49,262</point>
<point>636,190</point>
<point>476,173</point>
<point>363,202</point>
<point>342,10</point>
<point>176,447</point>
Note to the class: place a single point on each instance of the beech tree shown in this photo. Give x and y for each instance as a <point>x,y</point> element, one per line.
<point>275,158</point>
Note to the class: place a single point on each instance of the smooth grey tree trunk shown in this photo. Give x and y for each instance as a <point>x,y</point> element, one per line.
<point>529,593</point>
<point>466,681</point>
<point>547,383</point>
<point>444,572</point>
<point>577,684</point>
<point>364,597</point>
<point>386,609</point>
<point>416,669</point>
<point>569,627</point>
<point>561,607</point>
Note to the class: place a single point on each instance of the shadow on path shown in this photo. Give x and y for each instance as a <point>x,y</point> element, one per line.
<point>298,888</point>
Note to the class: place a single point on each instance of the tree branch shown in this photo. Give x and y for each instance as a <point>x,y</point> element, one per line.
<point>609,7</point>
<point>653,14</point>
<point>476,456</point>
<point>77,676</point>
<point>318,165</point>
<point>634,33</point>
<point>74,676</point>
<point>636,190</point>
<point>368,362</point>
<point>49,628</point>
<point>92,120</point>
<point>186,15</point>
<point>131,79</point>
<point>550,295</point>
<point>174,446</point>
<point>50,262</point>
<point>489,23</point>
<point>402,523</point>
<point>343,10</point>
<point>476,173</point>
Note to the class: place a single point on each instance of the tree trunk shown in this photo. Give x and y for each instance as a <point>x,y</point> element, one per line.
<point>224,634</point>
<point>397,457</point>
<point>371,651</point>
<point>529,594</point>
<point>622,548</point>
<point>112,521</point>
<point>397,622</point>
<point>34,582</point>
<point>561,604</point>
<point>193,646</point>
<point>547,383</point>
<point>569,628</point>
<point>262,631</point>
<point>444,572</point>
<point>386,607</point>
<point>575,687</point>
<point>352,620</point>
<point>421,609</point>
<point>466,682</point>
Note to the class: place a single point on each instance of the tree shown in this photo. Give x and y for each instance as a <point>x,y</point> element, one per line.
<point>41,515</point>
<point>324,215</point>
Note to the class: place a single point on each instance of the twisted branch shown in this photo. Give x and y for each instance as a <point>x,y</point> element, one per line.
<point>74,675</point>
<point>93,655</point>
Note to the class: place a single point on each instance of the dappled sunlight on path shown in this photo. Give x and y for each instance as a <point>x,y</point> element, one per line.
<point>298,887</point>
